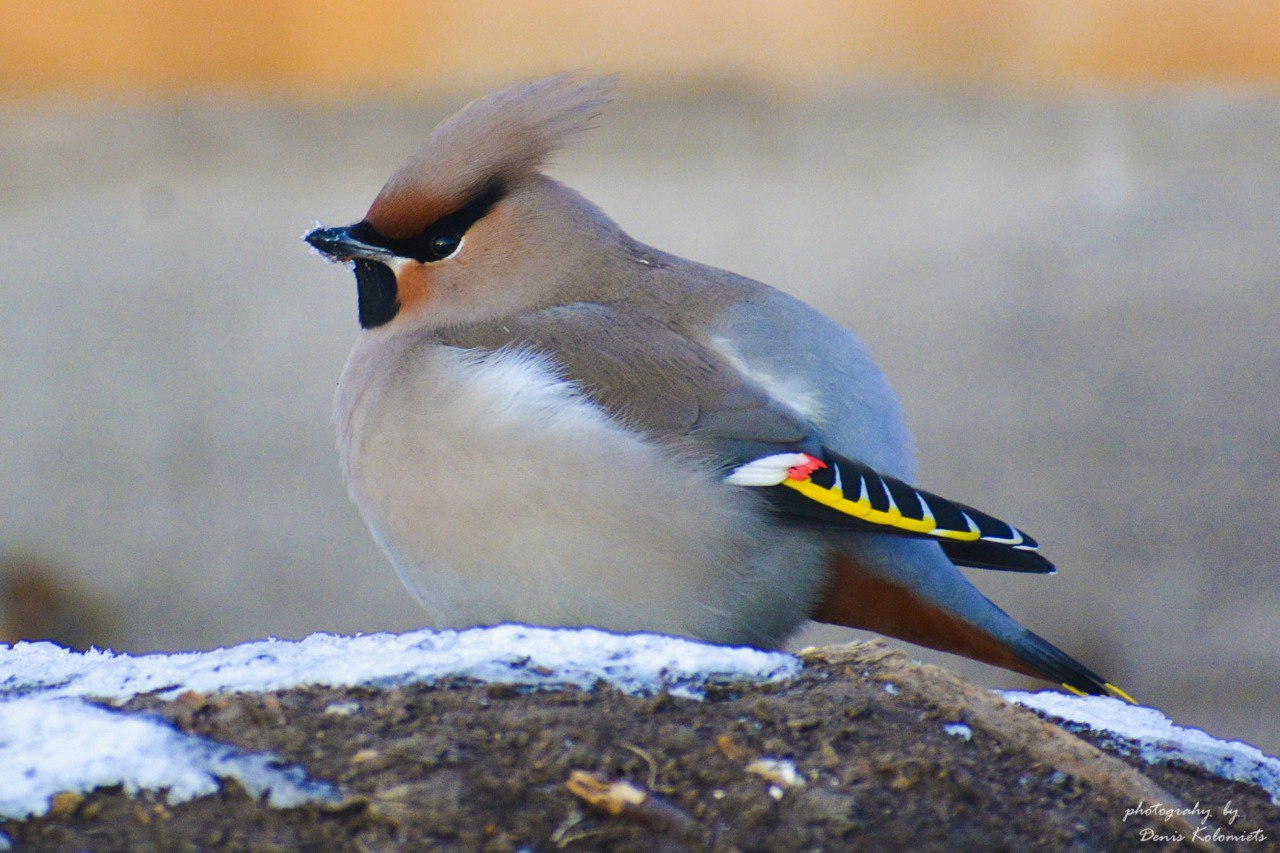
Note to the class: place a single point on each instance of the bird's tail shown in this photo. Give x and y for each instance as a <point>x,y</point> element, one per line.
<point>1053,664</point>
<point>962,621</point>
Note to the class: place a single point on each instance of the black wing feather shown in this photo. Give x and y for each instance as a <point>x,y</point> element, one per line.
<point>881,492</point>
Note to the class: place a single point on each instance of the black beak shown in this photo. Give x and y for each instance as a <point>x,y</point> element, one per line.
<point>339,245</point>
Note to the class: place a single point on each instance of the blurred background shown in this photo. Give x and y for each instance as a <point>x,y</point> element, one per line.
<point>1057,223</point>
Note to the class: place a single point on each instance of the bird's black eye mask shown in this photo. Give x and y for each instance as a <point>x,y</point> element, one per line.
<point>440,239</point>
<point>378,293</point>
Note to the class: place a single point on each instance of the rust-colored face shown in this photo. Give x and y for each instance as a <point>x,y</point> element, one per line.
<point>416,285</point>
<point>411,252</point>
<point>397,276</point>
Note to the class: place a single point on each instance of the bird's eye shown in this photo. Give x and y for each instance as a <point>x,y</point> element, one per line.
<point>444,245</point>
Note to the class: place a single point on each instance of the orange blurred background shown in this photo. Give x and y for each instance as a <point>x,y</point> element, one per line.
<point>326,49</point>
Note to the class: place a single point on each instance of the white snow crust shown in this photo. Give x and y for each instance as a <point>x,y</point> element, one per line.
<point>511,654</point>
<point>1155,738</point>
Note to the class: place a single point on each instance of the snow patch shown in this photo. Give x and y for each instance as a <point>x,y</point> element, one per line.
<point>959,730</point>
<point>638,664</point>
<point>1154,737</point>
<point>49,745</point>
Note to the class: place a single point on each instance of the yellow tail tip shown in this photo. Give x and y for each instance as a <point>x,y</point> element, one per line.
<point>1120,694</point>
<point>1112,691</point>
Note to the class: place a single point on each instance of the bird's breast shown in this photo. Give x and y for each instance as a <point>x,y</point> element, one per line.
<point>500,493</point>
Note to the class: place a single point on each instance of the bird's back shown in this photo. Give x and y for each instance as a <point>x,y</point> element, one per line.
<point>791,350</point>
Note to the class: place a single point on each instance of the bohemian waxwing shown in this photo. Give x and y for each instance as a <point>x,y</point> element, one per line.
<point>546,421</point>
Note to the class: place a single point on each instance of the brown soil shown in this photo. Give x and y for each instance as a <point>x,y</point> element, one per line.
<point>484,767</point>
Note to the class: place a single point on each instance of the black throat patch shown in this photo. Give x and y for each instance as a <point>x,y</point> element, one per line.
<point>376,287</point>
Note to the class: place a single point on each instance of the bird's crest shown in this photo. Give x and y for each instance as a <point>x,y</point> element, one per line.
<point>494,140</point>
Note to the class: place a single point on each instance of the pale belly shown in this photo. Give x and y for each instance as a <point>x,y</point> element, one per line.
<point>499,494</point>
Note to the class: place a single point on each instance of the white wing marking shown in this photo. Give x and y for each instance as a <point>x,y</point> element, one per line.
<point>765,471</point>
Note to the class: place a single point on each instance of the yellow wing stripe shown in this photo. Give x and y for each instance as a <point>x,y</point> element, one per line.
<point>862,509</point>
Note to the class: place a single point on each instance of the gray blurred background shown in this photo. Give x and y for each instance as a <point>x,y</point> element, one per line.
<point>1076,295</point>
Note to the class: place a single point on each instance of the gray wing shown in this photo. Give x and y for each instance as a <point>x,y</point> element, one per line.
<point>651,377</point>
<point>658,380</point>
<point>859,416</point>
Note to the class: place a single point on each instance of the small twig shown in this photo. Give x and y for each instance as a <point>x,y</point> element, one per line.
<point>563,836</point>
<point>573,819</point>
<point>624,800</point>
<point>652,782</point>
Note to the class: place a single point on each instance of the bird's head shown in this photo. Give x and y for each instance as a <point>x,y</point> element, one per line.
<point>469,229</point>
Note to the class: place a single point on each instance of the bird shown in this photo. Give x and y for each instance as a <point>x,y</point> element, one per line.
<point>545,421</point>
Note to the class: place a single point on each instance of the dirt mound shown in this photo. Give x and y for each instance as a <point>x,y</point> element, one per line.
<point>864,749</point>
